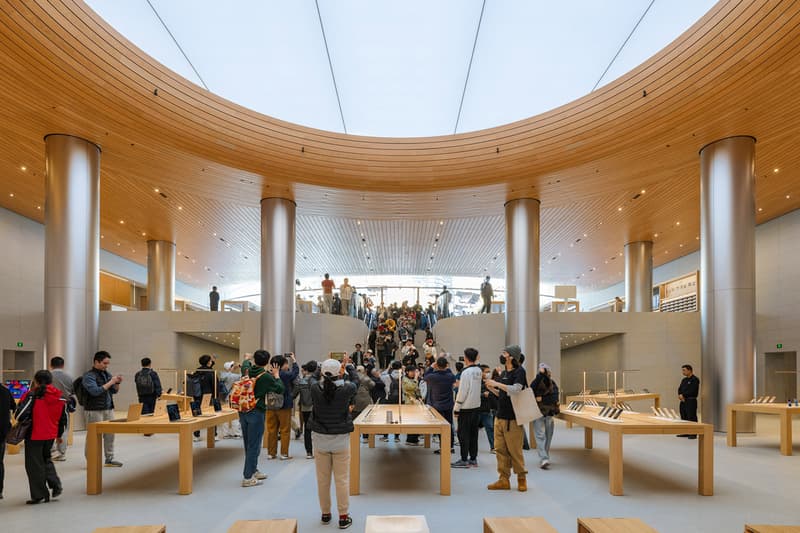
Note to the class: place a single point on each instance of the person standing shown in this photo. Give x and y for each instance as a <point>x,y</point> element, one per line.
<point>444,301</point>
<point>357,357</point>
<point>7,406</point>
<point>363,398</point>
<point>48,412</point>
<point>488,407</point>
<point>281,420</point>
<point>688,391</point>
<point>148,386</point>
<point>440,381</point>
<point>345,293</point>
<point>331,426</point>
<point>205,375</point>
<point>231,373</point>
<point>486,295</point>
<point>467,408</point>
<point>213,299</point>
<point>546,392</point>
<point>63,382</point>
<point>619,305</point>
<point>252,422</point>
<point>303,388</point>
<point>327,293</point>
<point>508,435</point>
<point>100,387</point>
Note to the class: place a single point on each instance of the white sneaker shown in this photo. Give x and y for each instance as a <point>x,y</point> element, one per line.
<point>59,457</point>
<point>285,457</point>
<point>197,439</point>
<point>252,482</point>
<point>544,464</point>
<point>271,457</point>
<point>259,475</point>
<point>309,456</point>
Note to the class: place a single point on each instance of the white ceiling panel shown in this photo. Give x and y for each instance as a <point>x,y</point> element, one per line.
<point>666,20</point>
<point>534,56</point>
<point>400,66</point>
<point>138,23</point>
<point>268,56</point>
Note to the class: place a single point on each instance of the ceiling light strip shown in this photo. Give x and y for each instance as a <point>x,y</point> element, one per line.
<point>330,64</point>
<point>469,68</point>
<point>628,38</point>
<point>178,45</point>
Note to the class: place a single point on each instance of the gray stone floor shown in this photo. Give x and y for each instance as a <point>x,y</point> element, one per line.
<point>753,483</point>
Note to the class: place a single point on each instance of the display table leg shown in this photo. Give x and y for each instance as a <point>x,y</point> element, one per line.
<point>615,463</point>
<point>210,436</point>
<point>444,461</point>
<point>569,424</point>
<point>371,440</point>
<point>94,465</point>
<point>705,465</point>
<point>428,440</point>
<point>185,461</point>
<point>786,433</point>
<point>355,462</point>
<point>587,438</point>
<point>731,427</point>
<point>657,402</point>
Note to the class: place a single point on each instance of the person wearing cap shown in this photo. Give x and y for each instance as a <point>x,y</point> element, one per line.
<point>331,425</point>
<point>546,392</point>
<point>508,435</point>
<point>230,374</point>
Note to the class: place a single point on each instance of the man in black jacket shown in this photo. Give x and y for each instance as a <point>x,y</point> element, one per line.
<point>7,406</point>
<point>688,391</point>
<point>100,387</point>
<point>440,381</point>
<point>148,386</point>
<point>205,373</point>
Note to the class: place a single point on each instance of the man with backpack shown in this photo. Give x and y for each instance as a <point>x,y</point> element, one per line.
<point>95,390</point>
<point>254,388</point>
<point>148,386</point>
<point>202,382</point>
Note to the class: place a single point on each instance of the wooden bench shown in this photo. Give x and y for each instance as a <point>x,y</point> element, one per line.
<point>282,525</point>
<point>760,528</point>
<point>613,525</point>
<point>132,529</point>
<point>508,524</point>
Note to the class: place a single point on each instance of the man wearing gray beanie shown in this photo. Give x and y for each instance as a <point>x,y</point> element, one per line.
<point>508,435</point>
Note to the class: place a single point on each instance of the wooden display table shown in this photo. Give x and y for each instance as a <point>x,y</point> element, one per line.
<point>527,524</point>
<point>613,525</point>
<point>748,528</point>
<point>131,529</point>
<point>416,419</point>
<point>604,398</point>
<point>781,409</point>
<point>153,424</point>
<point>641,424</point>
<point>182,401</point>
<point>283,525</point>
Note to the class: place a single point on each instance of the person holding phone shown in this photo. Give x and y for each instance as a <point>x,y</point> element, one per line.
<point>281,420</point>
<point>100,387</point>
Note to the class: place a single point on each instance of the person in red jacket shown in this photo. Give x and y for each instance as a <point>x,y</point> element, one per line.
<point>48,409</point>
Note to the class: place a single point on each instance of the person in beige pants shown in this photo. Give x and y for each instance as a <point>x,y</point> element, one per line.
<point>331,425</point>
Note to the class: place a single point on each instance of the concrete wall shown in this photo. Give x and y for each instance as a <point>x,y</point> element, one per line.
<point>600,355</point>
<point>190,348</point>
<point>484,332</point>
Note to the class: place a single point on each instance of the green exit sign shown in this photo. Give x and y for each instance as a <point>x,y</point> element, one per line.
<point>19,344</point>
<point>778,346</point>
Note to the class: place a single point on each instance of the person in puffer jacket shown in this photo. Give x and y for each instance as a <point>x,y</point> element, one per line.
<point>48,409</point>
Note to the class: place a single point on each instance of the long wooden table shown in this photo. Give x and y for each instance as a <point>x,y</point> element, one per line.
<point>605,398</point>
<point>641,424</point>
<point>781,409</point>
<point>153,424</point>
<point>409,419</point>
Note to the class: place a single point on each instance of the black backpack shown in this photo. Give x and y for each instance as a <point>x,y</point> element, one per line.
<point>194,385</point>
<point>144,382</point>
<point>394,391</point>
<point>80,391</point>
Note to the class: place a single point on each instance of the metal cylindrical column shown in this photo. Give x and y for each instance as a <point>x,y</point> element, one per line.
<point>639,276</point>
<point>160,276</point>
<point>522,277</point>
<point>277,274</point>
<point>72,245</point>
<point>727,275</point>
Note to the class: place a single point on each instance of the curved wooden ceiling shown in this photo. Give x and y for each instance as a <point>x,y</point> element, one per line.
<point>63,69</point>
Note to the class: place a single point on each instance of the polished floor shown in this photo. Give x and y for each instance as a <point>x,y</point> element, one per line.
<point>753,483</point>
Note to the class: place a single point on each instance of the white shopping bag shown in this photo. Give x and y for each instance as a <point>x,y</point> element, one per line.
<point>526,409</point>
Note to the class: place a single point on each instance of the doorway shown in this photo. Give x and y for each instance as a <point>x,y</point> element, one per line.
<point>780,376</point>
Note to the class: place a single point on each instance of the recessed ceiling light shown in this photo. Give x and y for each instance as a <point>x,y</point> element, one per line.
<point>678,223</point>
<point>119,244</point>
<point>23,168</point>
<point>655,234</point>
<point>39,207</point>
<point>122,222</point>
<point>643,191</point>
<point>358,222</point>
<point>775,170</point>
<point>102,236</point>
<point>619,209</point>
<point>697,238</point>
<point>441,222</point>
<point>144,234</point>
<point>681,245</point>
<point>157,189</point>
<point>180,208</point>
<point>760,209</point>
<point>788,196</point>
<point>215,235</point>
<point>11,195</point>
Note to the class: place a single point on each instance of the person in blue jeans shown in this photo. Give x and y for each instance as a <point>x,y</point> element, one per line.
<point>488,406</point>
<point>546,392</point>
<point>252,422</point>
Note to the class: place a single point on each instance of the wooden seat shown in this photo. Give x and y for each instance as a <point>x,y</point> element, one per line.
<point>760,528</point>
<point>281,525</point>
<point>526,524</point>
<point>613,525</point>
<point>396,524</point>
<point>132,529</point>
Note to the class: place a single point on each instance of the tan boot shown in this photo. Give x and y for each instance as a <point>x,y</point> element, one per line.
<point>500,484</point>
<point>522,483</point>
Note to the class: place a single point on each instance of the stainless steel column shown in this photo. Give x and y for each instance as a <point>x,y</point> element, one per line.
<point>727,275</point>
<point>277,274</point>
<point>639,276</point>
<point>71,256</point>
<point>160,275</point>
<point>522,277</point>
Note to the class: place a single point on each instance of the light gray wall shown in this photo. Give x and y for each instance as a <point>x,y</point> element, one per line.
<point>601,355</point>
<point>190,348</point>
<point>484,332</point>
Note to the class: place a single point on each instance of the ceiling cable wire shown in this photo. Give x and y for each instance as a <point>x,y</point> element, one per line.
<point>469,68</point>
<point>174,40</point>
<point>628,38</point>
<point>330,64</point>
